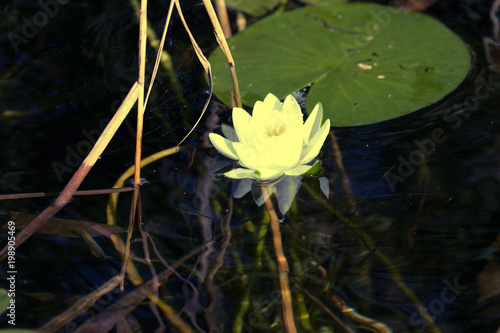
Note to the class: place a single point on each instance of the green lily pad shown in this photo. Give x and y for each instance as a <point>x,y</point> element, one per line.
<point>315,2</point>
<point>366,63</point>
<point>253,7</point>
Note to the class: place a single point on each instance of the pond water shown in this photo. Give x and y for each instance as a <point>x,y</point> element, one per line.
<point>417,236</point>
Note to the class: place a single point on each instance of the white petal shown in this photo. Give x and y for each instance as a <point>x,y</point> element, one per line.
<point>286,149</point>
<point>259,112</point>
<point>267,174</point>
<point>220,161</point>
<point>316,143</point>
<point>248,155</point>
<point>241,187</point>
<point>241,120</point>
<point>292,109</point>
<point>324,185</point>
<point>262,110</point>
<point>272,102</point>
<point>313,123</point>
<point>286,189</point>
<point>229,132</point>
<point>223,145</point>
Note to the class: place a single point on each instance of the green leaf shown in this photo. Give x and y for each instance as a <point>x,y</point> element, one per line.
<point>366,63</point>
<point>4,300</point>
<point>313,170</point>
<point>253,7</point>
<point>315,2</point>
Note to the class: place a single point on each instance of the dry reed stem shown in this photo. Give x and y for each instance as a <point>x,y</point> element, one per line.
<point>160,50</point>
<point>80,306</point>
<point>143,23</point>
<point>113,198</point>
<point>219,34</point>
<point>241,21</point>
<point>80,174</point>
<point>107,319</point>
<point>203,60</point>
<point>220,6</point>
<point>165,58</point>
<point>55,194</point>
<point>132,272</point>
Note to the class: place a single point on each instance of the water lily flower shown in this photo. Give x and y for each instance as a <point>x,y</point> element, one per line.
<point>273,141</point>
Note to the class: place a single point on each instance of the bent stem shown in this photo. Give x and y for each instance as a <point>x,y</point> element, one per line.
<point>286,295</point>
<point>221,40</point>
<point>80,174</point>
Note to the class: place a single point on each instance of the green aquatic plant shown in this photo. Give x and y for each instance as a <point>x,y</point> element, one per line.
<point>273,147</point>
<point>365,62</point>
<point>274,141</point>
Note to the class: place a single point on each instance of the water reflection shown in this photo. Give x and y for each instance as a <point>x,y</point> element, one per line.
<point>425,187</point>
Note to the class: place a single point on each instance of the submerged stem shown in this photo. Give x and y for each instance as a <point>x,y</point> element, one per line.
<point>286,295</point>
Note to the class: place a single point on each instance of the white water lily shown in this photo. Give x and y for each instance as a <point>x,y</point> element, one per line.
<point>273,141</point>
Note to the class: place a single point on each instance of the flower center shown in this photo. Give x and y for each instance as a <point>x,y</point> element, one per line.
<point>276,130</point>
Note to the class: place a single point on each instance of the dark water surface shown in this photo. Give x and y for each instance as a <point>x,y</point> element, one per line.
<point>426,190</point>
